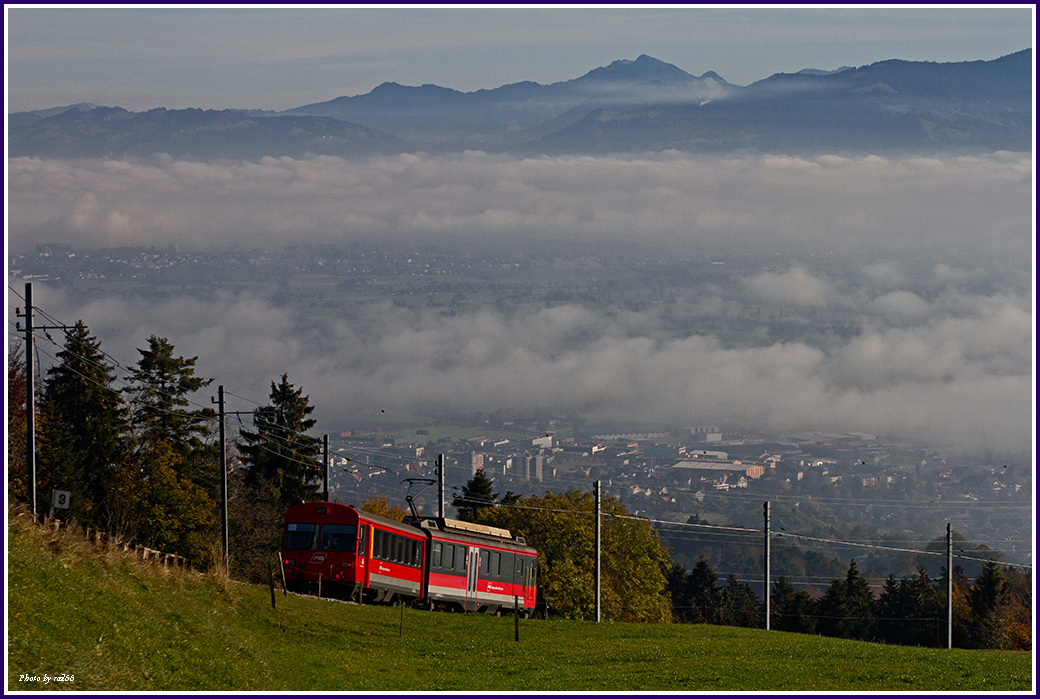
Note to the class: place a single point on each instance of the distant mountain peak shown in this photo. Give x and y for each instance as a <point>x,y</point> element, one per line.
<point>644,69</point>
<point>817,71</point>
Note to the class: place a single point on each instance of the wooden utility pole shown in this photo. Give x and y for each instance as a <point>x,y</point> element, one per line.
<point>766,591</point>
<point>325,480</point>
<point>223,482</point>
<point>30,398</point>
<point>30,389</point>
<point>599,542</point>
<point>949,586</point>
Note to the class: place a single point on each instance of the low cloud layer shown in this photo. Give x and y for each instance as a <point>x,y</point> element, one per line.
<point>974,205</point>
<point>958,381</point>
<point>939,352</point>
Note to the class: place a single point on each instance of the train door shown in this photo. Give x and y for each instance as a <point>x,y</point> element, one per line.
<point>365,538</point>
<point>471,579</point>
<point>519,585</point>
<point>530,582</point>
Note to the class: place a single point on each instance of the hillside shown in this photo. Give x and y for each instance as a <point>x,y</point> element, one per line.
<point>114,623</point>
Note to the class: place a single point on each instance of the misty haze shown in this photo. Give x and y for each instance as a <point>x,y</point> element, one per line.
<point>903,283</point>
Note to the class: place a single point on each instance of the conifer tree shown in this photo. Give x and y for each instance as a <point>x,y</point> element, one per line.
<point>281,456</point>
<point>159,388</point>
<point>161,417</point>
<point>17,475</point>
<point>82,428</point>
<point>986,597</point>
<point>477,494</point>
<point>846,608</point>
<point>704,592</point>
<point>791,610</point>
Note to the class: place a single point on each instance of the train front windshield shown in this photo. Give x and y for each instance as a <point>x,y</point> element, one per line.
<point>300,536</point>
<point>339,537</point>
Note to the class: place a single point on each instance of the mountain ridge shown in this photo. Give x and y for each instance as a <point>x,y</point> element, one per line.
<point>641,104</point>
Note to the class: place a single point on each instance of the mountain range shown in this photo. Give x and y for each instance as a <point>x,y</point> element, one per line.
<point>641,105</point>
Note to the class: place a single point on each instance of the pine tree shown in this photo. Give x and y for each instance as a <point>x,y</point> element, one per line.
<point>704,593</point>
<point>17,476</point>
<point>986,597</point>
<point>741,606</point>
<point>477,494</point>
<point>281,457</point>
<point>159,388</point>
<point>790,609</point>
<point>846,608</point>
<point>82,428</point>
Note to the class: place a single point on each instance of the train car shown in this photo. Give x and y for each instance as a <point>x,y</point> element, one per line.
<point>438,563</point>
<point>474,567</point>
<point>354,553</point>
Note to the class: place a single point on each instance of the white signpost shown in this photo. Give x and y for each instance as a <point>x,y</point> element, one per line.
<point>60,500</point>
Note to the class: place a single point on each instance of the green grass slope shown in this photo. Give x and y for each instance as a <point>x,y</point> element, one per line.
<point>112,623</point>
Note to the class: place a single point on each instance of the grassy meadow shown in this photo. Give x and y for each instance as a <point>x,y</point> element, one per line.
<point>108,622</point>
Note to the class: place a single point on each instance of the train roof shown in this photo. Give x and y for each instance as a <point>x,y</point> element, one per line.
<point>470,531</point>
<point>330,507</point>
<point>455,528</point>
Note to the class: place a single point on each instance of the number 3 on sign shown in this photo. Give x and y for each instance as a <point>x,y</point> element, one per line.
<point>60,499</point>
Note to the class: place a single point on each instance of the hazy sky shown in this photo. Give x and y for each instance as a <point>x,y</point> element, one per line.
<point>274,57</point>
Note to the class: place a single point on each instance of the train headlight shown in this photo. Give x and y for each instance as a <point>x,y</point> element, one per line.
<point>346,564</point>
<point>290,561</point>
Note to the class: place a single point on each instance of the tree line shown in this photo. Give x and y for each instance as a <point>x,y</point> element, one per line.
<point>993,611</point>
<point>139,457</point>
<point>639,581</point>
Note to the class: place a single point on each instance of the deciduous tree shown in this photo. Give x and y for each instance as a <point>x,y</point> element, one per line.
<point>163,509</point>
<point>380,505</point>
<point>562,528</point>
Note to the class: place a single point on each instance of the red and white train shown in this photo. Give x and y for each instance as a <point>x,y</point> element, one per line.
<point>439,563</point>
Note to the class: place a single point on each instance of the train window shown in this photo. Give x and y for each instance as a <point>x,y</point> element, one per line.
<point>399,548</point>
<point>519,568</point>
<point>338,537</point>
<point>415,553</point>
<point>460,558</point>
<point>449,556</point>
<point>495,564</point>
<point>436,555</point>
<point>361,541</point>
<point>301,537</point>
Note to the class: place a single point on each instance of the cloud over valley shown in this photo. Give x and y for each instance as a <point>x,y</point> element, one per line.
<point>881,295</point>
